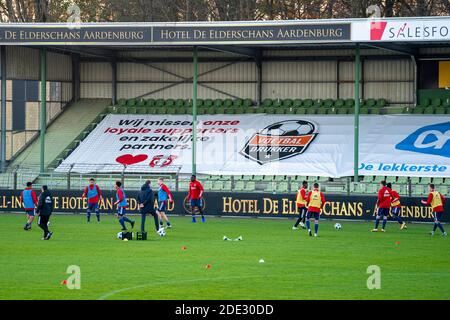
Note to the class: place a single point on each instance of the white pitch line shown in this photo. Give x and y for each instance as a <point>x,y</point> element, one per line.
<point>109,294</point>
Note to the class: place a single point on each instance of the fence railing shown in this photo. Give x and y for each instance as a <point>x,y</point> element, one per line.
<point>133,180</point>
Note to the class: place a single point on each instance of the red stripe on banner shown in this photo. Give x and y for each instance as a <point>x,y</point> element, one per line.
<point>377,29</point>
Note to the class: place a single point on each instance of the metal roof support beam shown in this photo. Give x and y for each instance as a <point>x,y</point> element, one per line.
<point>258,62</point>
<point>242,51</point>
<point>392,47</point>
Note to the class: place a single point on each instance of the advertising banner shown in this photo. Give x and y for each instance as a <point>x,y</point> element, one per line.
<point>236,204</point>
<point>392,145</point>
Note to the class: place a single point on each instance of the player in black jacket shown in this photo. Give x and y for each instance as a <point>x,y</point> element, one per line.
<point>146,202</point>
<point>44,210</point>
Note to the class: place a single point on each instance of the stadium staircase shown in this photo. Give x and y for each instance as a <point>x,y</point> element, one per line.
<point>73,124</point>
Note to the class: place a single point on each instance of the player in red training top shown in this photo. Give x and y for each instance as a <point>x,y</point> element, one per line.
<point>383,205</point>
<point>195,197</point>
<point>94,195</point>
<point>396,207</point>
<point>316,201</point>
<point>437,202</point>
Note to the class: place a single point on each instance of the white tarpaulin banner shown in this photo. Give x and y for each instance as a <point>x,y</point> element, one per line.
<point>400,145</point>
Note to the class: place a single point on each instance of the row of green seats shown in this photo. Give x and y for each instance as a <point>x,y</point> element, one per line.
<point>326,103</point>
<point>180,103</point>
<point>436,102</point>
<point>404,180</point>
<point>431,110</point>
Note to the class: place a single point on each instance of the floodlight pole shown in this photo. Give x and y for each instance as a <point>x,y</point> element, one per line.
<point>3,108</point>
<point>356,121</point>
<point>194,111</point>
<point>43,113</point>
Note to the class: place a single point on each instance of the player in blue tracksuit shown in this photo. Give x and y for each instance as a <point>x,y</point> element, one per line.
<point>29,201</point>
<point>164,197</point>
<point>121,203</point>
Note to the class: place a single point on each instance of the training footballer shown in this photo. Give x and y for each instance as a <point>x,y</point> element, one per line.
<point>29,201</point>
<point>316,201</point>
<point>300,201</point>
<point>94,196</point>
<point>396,207</point>
<point>383,205</point>
<point>195,197</point>
<point>164,197</point>
<point>121,203</point>
<point>437,201</point>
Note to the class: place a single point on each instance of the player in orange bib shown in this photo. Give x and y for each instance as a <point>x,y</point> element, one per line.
<point>300,201</point>
<point>436,201</point>
<point>315,200</point>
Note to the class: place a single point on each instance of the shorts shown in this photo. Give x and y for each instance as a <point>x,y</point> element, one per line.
<point>437,216</point>
<point>162,206</point>
<point>92,206</point>
<point>31,212</point>
<point>316,215</point>
<point>121,211</point>
<point>383,212</point>
<point>395,211</point>
<point>196,203</point>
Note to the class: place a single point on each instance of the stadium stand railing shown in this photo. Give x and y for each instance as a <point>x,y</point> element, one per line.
<point>133,179</point>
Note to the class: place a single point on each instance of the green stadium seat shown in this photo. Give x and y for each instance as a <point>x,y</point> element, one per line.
<point>282,187</point>
<point>247,103</point>
<point>259,109</point>
<point>290,110</point>
<point>440,110</point>
<point>370,103</point>
<point>379,178</point>
<point>363,110</point>
<point>277,103</point>
<point>270,187</point>
<point>141,110</point>
<point>418,110</point>
<point>218,103</point>
<point>220,110</point>
<point>238,103</point>
<point>308,103</point>
<point>287,103</point>
<point>267,103</point>
<point>342,110</point>
<point>339,103</point>
<point>311,110</point>
<point>228,103</point>
<point>239,186</point>
<point>131,102</point>
<point>415,180</point>
<point>150,110</point>
<point>297,103</point>
<point>402,180</point>
<point>258,178</point>
<point>279,110</point>
<point>381,103</point>
<point>317,103</point>
<point>436,102</point>
<point>425,180</point>
<point>169,103</point>
<point>269,110</point>
<point>300,110</point>
<point>161,110</point>
<point>375,111</point>
<point>349,103</point>
<point>322,110</point>
<point>279,178</point>
<point>239,110</point>
<point>122,110</point>
<point>140,103</point>
<point>188,103</point>
<point>229,110</point>
<point>122,102</point>
<point>438,180</point>
<point>328,103</point>
<point>112,109</point>
<point>429,110</point>
<point>250,186</point>
<point>424,102</point>
<point>159,103</point>
<point>150,102</point>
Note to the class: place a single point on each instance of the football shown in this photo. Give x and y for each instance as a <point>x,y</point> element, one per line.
<point>289,128</point>
<point>337,226</point>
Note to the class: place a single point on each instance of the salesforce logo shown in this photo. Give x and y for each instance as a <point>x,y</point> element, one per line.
<point>432,139</point>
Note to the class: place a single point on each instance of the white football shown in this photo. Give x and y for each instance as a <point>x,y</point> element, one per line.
<point>337,226</point>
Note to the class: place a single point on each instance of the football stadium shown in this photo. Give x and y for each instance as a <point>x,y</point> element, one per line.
<point>226,160</point>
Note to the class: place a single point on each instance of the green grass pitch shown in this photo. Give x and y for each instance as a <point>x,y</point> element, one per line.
<point>413,264</point>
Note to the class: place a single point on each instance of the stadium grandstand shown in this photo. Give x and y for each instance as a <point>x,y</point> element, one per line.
<point>334,68</point>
